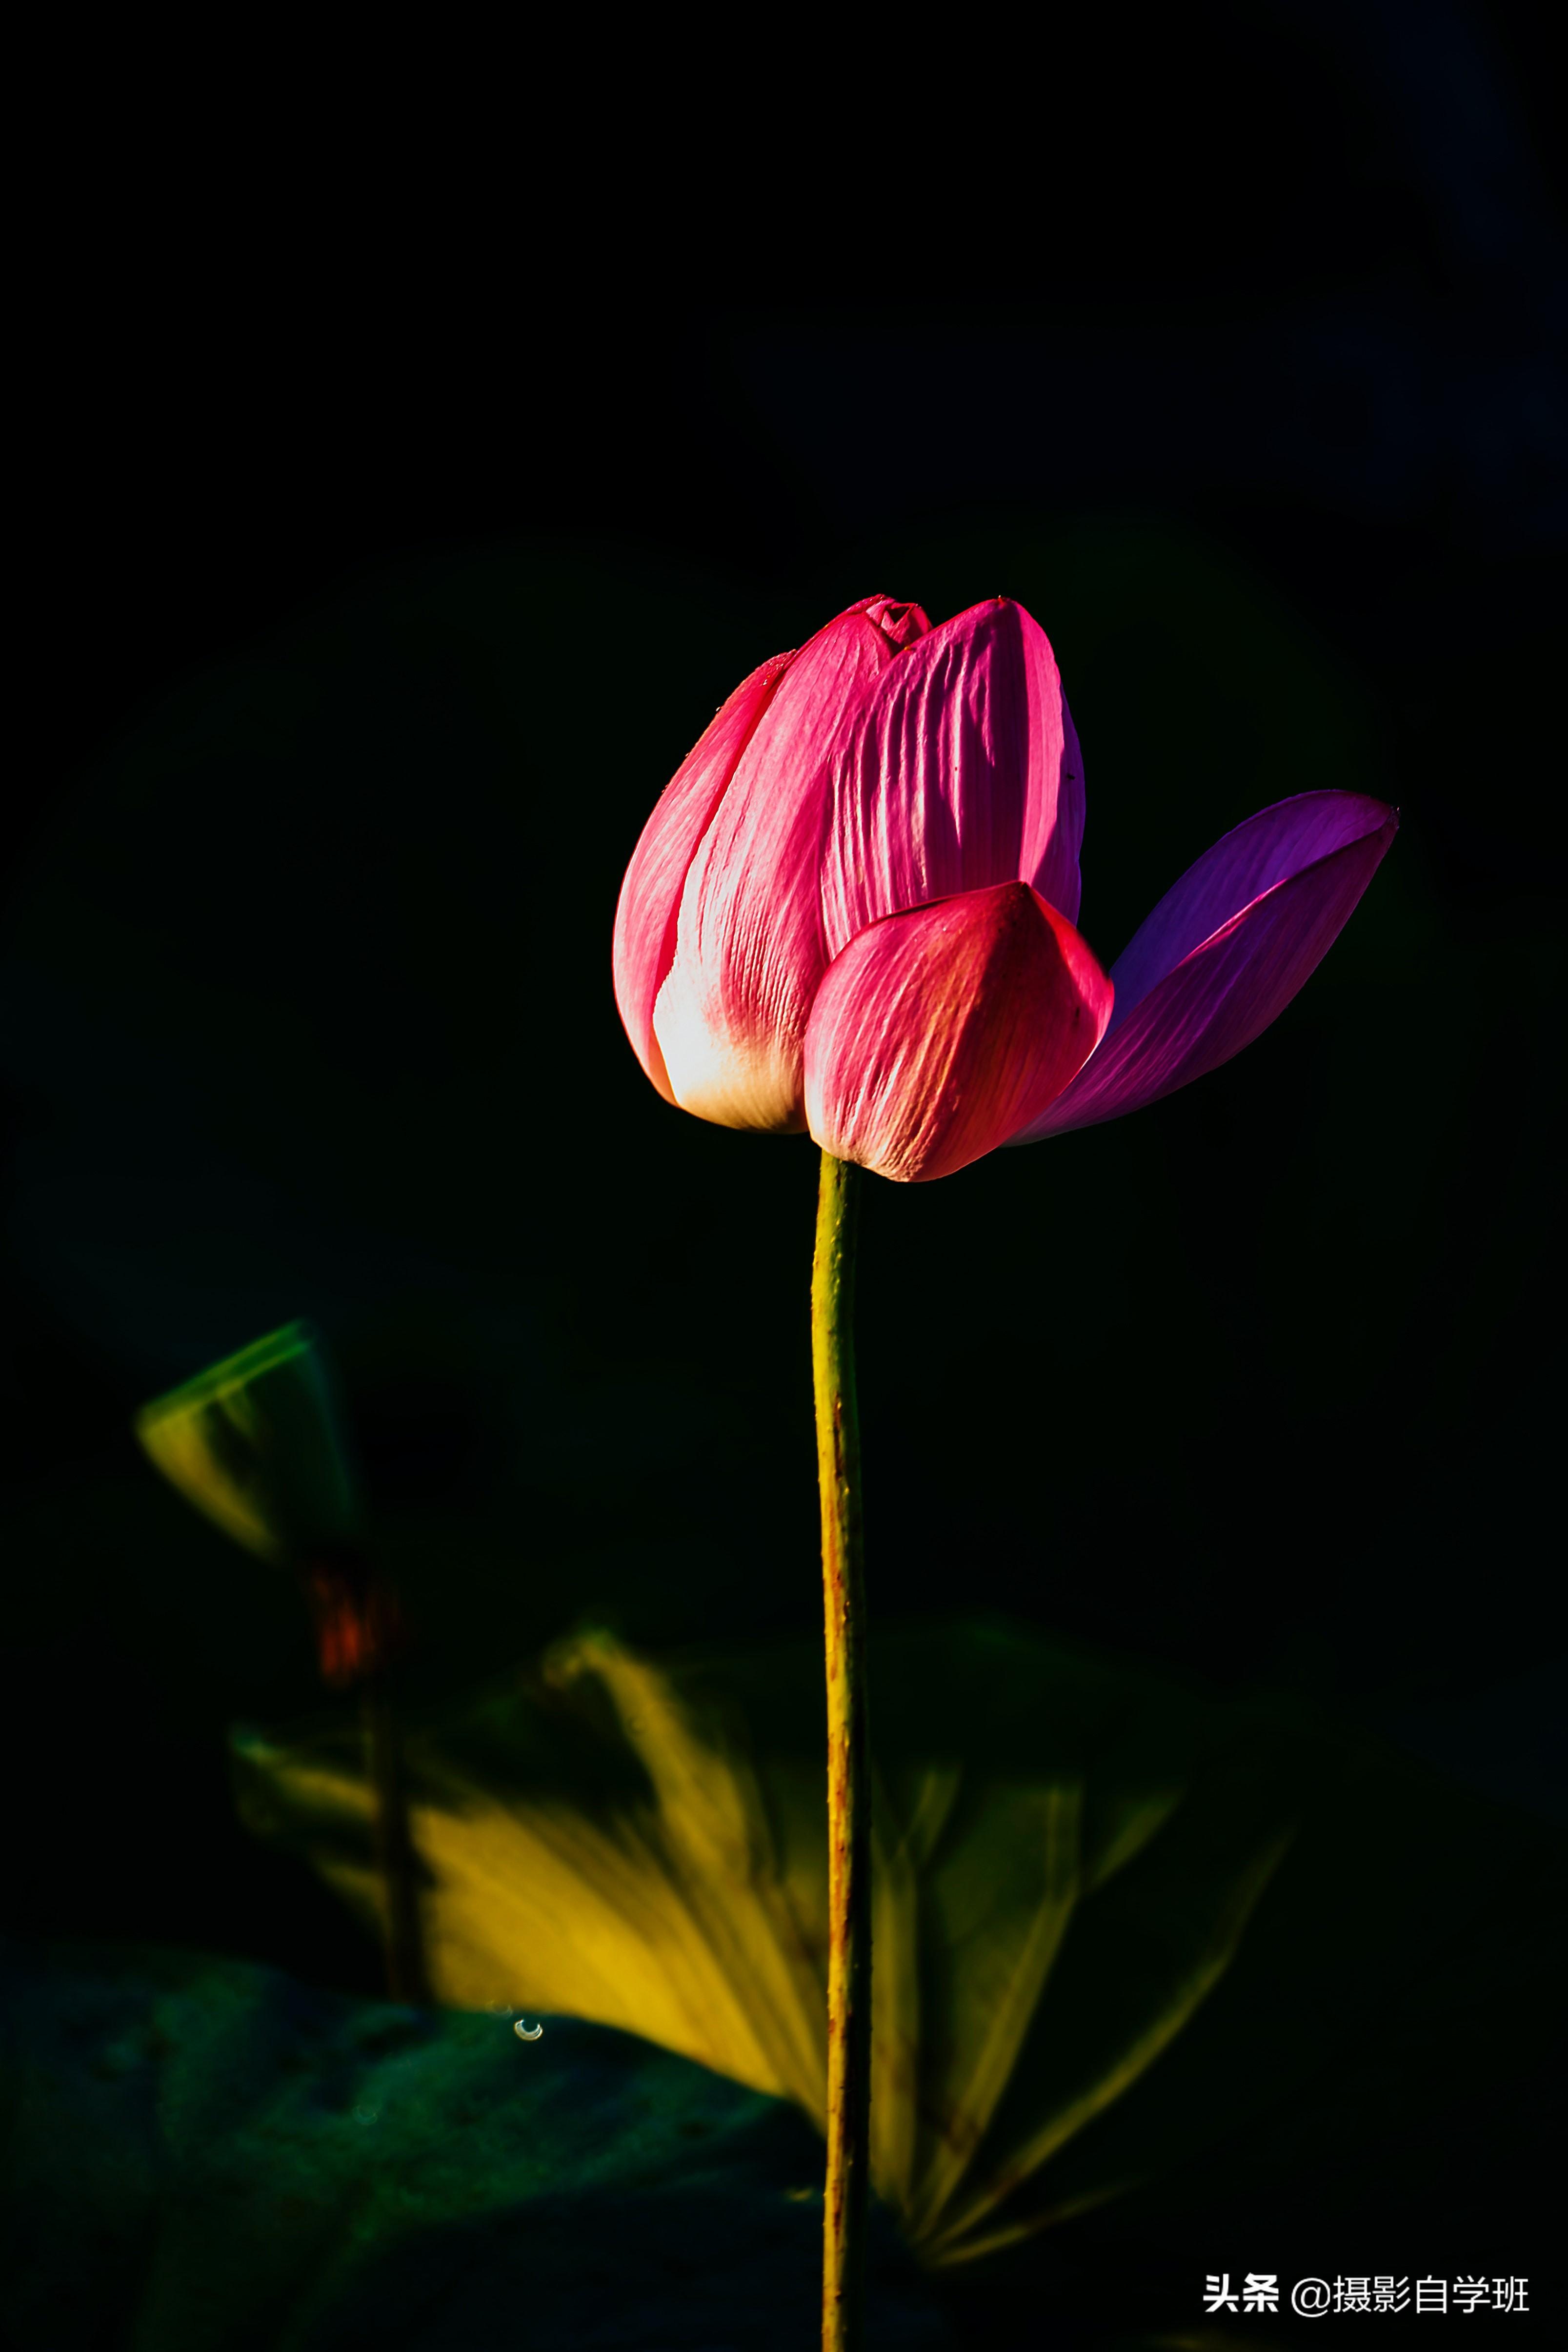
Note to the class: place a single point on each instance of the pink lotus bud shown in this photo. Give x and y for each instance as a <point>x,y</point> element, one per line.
<point>854,907</point>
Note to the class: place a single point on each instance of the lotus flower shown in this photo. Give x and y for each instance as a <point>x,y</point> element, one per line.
<point>853,908</point>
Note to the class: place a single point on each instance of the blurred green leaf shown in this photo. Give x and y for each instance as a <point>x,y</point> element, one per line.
<point>205,2156</point>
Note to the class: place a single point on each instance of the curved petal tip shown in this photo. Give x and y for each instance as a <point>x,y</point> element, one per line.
<point>1175,1023</point>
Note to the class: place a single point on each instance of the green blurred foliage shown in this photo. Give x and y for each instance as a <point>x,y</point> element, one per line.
<point>203,2156</point>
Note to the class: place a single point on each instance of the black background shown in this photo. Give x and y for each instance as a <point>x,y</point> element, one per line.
<point>417,451</point>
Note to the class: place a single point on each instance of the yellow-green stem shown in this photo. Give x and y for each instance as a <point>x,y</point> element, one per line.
<point>848,1760</point>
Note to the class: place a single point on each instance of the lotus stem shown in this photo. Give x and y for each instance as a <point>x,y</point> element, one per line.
<point>848,1759</point>
<point>403,1943</point>
<point>359,1632</point>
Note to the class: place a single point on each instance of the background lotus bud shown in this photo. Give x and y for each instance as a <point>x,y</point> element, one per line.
<point>256,1442</point>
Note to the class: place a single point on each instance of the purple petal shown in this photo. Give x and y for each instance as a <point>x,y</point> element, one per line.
<point>1269,848</point>
<point>1228,989</point>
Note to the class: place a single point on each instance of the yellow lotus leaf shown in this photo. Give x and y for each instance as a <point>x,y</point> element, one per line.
<point>1066,1855</point>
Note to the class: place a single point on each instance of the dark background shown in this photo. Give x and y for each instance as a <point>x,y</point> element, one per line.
<point>412,469</point>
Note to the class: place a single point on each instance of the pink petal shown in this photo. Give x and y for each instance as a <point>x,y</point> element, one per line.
<point>644,944</point>
<point>960,771</point>
<point>937,1034</point>
<point>730,1016</point>
<point>1229,988</point>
